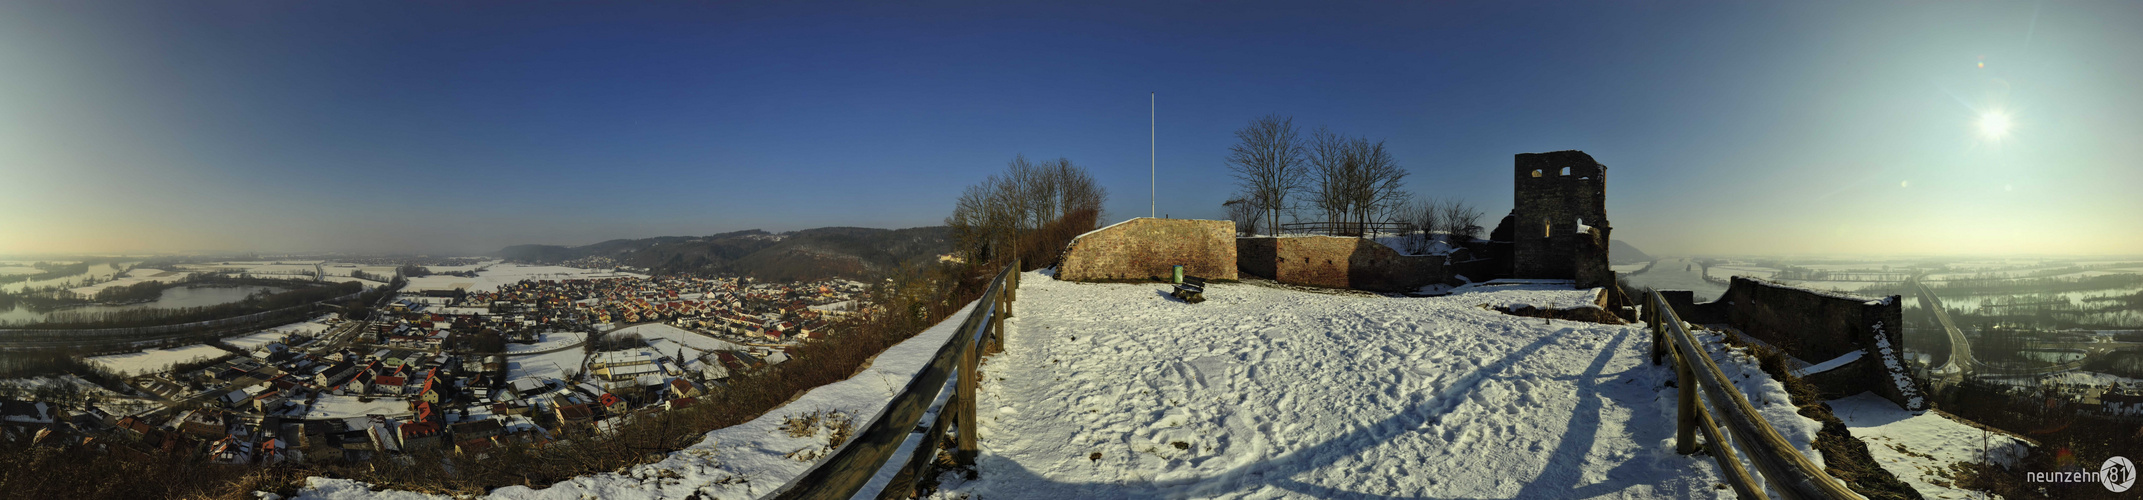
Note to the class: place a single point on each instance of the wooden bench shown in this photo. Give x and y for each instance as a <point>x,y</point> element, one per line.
<point>1191,290</point>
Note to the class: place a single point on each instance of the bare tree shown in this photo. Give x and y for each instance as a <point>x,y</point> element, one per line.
<point>1268,164</point>
<point>1375,189</point>
<point>1461,220</point>
<point>1424,216</point>
<point>1077,190</point>
<point>1331,175</point>
<point>1245,214</point>
<point>989,219</point>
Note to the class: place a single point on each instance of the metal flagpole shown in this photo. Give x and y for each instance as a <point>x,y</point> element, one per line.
<point>1152,160</point>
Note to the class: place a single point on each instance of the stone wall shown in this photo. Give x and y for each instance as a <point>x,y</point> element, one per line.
<point>1338,262</point>
<point>1555,196</point>
<point>1818,326</point>
<point>1144,248</point>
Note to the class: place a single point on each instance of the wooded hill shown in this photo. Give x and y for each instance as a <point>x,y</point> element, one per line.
<point>847,252</point>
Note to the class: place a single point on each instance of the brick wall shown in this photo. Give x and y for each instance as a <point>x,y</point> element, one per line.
<point>1145,248</point>
<point>1338,262</point>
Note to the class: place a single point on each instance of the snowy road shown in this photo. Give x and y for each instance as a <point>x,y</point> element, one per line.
<point>1117,391</point>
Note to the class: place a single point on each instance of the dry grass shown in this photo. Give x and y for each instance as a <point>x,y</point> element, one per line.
<point>801,426</point>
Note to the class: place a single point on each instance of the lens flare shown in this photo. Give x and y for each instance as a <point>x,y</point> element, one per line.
<point>1994,125</point>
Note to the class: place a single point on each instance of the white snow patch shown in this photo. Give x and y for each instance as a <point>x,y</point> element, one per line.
<point>155,360</point>
<point>1833,364</point>
<point>1919,447</point>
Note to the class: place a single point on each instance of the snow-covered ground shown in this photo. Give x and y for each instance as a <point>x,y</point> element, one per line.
<point>506,274</point>
<point>155,360</point>
<point>551,365</point>
<point>1919,449</point>
<point>332,406</point>
<point>739,462</point>
<point>1118,391</point>
<point>33,384</point>
<point>265,337</point>
<point>130,278</point>
<point>680,336</point>
<point>548,341</point>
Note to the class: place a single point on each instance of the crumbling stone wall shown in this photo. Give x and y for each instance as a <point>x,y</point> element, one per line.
<point>1338,262</point>
<point>1145,248</point>
<point>1555,194</point>
<point>1818,326</point>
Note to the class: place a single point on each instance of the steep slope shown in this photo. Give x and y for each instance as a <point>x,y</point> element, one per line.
<point>1620,252</point>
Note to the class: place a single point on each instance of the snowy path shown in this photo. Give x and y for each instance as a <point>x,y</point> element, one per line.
<point>1117,391</point>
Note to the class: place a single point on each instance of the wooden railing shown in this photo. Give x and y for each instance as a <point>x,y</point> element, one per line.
<point>1790,474</point>
<point>851,468</point>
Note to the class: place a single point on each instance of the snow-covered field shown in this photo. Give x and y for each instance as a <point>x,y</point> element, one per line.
<point>506,274</point>
<point>548,341</point>
<point>33,384</point>
<point>130,278</point>
<point>691,340</point>
<point>332,406</point>
<point>265,337</point>
<point>155,360</point>
<point>739,462</point>
<point>1919,449</point>
<point>552,365</point>
<point>1118,391</point>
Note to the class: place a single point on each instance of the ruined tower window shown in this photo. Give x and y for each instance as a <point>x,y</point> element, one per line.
<point>1536,172</point>
<point>1547,228</point>
<point>1566,171</point>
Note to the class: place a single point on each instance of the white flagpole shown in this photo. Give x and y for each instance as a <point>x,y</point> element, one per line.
<point>1153,159</point>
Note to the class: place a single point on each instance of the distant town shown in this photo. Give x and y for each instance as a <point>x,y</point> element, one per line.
<point>462,356</point>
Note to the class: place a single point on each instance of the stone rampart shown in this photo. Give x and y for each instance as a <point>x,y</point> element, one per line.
<point>1338,262</point>
<point>1145,248</point>
<point>1817,326</point>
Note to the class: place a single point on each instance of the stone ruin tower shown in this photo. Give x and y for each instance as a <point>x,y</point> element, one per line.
<point>1559,219</point>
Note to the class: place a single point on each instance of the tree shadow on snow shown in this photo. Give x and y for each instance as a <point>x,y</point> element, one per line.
<point>1558,479</point>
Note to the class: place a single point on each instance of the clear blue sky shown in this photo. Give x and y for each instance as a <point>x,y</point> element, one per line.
<point>462,127</point>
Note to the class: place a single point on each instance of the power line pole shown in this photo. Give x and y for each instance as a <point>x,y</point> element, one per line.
<point>1153,160</point>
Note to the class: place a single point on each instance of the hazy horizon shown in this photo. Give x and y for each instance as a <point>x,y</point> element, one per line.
<point>1739,129</point>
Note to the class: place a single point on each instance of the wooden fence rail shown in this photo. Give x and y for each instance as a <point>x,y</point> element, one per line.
<point>1790,474</point>
<point>851,468</point>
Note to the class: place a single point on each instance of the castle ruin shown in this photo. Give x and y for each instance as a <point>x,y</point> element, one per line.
<point>1558,223</point>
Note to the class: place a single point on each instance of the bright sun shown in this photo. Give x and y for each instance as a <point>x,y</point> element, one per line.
<point>1994,125</point>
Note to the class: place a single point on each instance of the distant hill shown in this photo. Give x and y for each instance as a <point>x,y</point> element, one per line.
<point>1619,252</point>
<point>848,252</point>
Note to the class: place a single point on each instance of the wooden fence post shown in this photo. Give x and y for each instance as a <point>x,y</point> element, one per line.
<point>1651,317</point>
<point>965,410</point>
<point>1685,427</point>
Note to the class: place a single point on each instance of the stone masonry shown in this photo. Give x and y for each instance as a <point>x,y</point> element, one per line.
<point>1817,326</point>
<point>1338,262</point>
<point>1145,248</point>
<point>1556,194</point>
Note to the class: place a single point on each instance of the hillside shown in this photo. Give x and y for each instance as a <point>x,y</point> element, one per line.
<point>1620,252</point>
<point>848,252</point>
